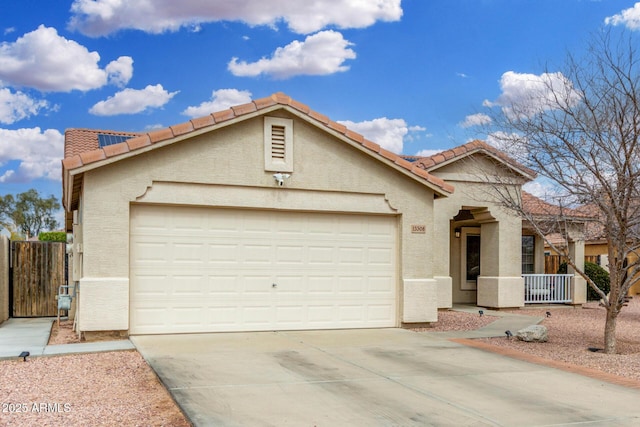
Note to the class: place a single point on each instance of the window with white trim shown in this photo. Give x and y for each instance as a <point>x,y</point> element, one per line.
<point>278,144</point>
<point>528,254</point>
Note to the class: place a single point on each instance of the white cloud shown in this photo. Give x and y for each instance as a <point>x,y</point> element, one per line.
<point>514,145</point>
<point>478,119</point>
<point>320,54</point>
<point>220,100</point>
<point>132,101</point>
<point>389,133</point>
<point>38,154</point>
<point>630,18</point>
<point>543,189</point>
<point>46,61</point>
<point>102,17</point>
<point>17,106</point>
<point>527,94</point>
<point>120,71</point>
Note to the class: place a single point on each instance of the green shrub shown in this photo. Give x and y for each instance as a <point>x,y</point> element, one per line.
<point>53,236</point>
<point>599,275</point>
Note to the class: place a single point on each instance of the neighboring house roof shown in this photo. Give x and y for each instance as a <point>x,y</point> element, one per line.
<point>539,208</point>
<point>83,151</point>
<point>446,157</point>
<point>594,232</point>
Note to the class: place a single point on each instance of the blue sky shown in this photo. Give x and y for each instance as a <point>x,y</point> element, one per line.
<point>412,75</point>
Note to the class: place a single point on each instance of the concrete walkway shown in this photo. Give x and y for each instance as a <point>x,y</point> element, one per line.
<point>505,322</point>
<point>32,334</point>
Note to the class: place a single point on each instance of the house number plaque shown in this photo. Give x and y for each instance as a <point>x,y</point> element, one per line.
<point>418,228</point>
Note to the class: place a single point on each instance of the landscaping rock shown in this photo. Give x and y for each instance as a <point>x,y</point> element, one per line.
<point>534,333</point>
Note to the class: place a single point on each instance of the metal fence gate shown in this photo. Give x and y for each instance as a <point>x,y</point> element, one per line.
<point>36,273</point>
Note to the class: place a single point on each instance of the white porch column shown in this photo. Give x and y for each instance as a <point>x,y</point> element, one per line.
<point>576,253</point>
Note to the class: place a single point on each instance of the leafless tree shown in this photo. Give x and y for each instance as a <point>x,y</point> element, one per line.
<point>579,130</point>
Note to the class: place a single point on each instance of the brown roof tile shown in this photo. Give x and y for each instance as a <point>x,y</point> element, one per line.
<point>139,142</point>
<point>538,207</point>
<point>116,149</point>
<point>202,122</point>
<point>355,136</point>
<point>431,162</point>
<point>249,107</point>
<point>388,154</point>
<point>319,117</point>
<point>281,98</point>
<point>160,135</point>
<point>223,115</point>
<point>371,145</point>
<point>404,163</point>
<point>265,102</point>
<point>182,128</point>
<point>337,126</point>
<point>300,106</point>
<point>72,162</point>
<point>80,140</point>
<point>92,156</point>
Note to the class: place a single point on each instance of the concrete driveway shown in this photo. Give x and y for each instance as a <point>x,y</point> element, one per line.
<point>373,377</point>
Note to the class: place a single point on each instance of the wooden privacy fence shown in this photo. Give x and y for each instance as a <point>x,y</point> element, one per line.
<point>37,271</point>
<point>552,262</point>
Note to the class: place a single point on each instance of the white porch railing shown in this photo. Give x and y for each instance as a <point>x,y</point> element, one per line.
<point>547,288</point>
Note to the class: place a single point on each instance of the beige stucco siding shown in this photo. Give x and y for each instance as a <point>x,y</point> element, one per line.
<point>501,244</point>
<point>226,168</point>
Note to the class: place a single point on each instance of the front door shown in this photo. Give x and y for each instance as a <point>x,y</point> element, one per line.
<point>470,258</point>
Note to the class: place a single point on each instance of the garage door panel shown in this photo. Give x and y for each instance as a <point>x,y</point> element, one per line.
<point>217,272</point>
<point>320,285</point>
<point>379,286</point>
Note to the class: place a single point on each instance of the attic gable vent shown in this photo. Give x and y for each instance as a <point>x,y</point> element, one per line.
<point>278,144</point>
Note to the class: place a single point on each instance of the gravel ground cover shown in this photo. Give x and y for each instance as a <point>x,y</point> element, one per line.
<point>457,321</point>
<point>119,388</point>
<point>571,332</point>
<point>99,389</point>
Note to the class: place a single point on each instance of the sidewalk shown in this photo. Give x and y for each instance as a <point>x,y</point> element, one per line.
<point>505,322</point>
<point>32,334</point>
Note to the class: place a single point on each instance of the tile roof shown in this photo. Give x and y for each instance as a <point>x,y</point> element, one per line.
<point>538,207</point>
<point>81,145</point>
<point>439,159</point>
<point>77,141</point>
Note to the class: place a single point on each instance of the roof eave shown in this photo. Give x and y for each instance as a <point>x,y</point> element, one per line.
<point>440,187</point>
<point>528,175</point>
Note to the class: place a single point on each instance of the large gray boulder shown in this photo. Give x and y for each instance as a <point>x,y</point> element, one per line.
<point>533,333</point>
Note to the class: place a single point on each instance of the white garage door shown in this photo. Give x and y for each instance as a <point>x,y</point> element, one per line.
<point>209,270</point>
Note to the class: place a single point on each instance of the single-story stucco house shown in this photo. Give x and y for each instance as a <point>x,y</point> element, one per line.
<point>271,216</point>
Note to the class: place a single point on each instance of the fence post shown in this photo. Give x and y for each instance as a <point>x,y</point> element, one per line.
<point>4,278</point>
